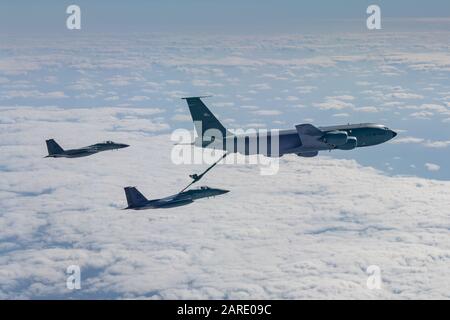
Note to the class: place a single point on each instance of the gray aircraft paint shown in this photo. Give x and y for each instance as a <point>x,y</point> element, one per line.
<point>55,150</point>
<point>305,140</point>
<point>137,201</point>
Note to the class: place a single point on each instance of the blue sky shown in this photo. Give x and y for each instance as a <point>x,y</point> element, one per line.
<point>204,16</point>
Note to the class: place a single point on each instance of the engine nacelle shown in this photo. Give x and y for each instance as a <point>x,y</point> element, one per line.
<point>351,143</point>
<point>308,154</point>
<point>336,138</point>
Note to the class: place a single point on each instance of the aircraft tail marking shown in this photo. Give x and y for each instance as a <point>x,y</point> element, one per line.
<point>134,197</point>
<point>53,147</point>
<point>203,118</point>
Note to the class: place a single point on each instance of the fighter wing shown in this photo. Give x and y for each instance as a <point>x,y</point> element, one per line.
<point>174,201</point>
<point>310,136</point>
<point>82,151</point>
<point>90,149</point>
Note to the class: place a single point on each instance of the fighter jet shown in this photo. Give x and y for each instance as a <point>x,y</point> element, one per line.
<point>137,201</point>
<point>55,151</point>
<point>305,140</point>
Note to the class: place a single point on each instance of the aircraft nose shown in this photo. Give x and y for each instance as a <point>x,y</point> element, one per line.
<point>123,145</point>
<point>394,134</point>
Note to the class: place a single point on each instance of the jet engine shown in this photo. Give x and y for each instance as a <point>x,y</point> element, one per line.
<point>336,138</point>
<point>351,143</point>
<point>308,154</point>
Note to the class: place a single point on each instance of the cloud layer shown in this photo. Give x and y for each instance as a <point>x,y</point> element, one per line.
<point>308,232</point>
<point>398,79</point>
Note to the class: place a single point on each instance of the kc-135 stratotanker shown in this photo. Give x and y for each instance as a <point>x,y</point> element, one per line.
<point>305,140</point>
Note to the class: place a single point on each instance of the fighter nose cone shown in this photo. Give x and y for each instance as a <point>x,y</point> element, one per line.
<point>394,134</point>
<point>123,145</point>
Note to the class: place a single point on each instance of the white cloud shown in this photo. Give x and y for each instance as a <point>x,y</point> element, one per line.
<point>437,144</point>
<point>428,108</point>
<point>407,140</point>
<point>333,104</point>
<point>292,98</point>
<point>112,98</point>
<point>405,95</point>
<point>306,89</point>
<point>393,104</point>
<point>369,109</point>
<point>345,97</point>
<point>364,83</point>
<point>35,94</point>
<point>261,86</point>
<point>430,60</point>
<point>181,117</point>
<point>267,112</point>
<point>432,167</point>
<point>82,84</point>
<point>426,143</point>
<point>17,66</point>
<point>139,98</point>
<point>273,76</point>
<point>172,82</point>
<point>341,115</point>
<point>422,115</point>
<point>435,107</point>
<point>224,104</point>
<point>241,245</point>
<point>249,107</point>
<point>122,81</point>
<point>252,125</point>
<point>205,83</point>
